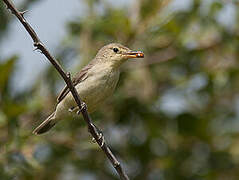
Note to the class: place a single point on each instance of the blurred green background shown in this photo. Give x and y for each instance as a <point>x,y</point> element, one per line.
<point>174,115</point>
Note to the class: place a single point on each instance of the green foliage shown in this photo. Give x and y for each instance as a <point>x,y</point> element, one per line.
<point>4,19</point>
<point>149,8</point>
<point>6,69</point>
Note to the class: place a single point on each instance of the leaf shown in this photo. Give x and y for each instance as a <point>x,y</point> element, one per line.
<point>6,69</point>
<point>149,8</point>
<point>13,109</point>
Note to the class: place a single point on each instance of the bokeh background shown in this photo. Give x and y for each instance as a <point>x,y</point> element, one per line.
<point>174,115</point>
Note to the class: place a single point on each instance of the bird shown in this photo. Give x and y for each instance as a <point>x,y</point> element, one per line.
<point>94,83</point>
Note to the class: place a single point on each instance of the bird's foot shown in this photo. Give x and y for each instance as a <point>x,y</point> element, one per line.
<point>83,106</point>
<point>72,109</point>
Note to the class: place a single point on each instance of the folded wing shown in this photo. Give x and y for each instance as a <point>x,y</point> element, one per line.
<point>79,77</point>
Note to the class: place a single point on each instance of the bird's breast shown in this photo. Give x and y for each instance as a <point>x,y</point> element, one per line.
<point>98,87</point>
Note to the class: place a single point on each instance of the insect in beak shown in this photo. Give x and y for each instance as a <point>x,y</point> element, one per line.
<point>134,54</point>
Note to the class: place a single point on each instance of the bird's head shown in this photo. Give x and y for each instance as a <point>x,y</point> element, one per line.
<point>116,54</point>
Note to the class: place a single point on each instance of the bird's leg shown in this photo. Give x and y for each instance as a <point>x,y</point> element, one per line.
<point>73,109</point>
<point>78,110</point>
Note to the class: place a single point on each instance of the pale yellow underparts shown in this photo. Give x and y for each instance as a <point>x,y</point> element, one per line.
<point>94,90</point>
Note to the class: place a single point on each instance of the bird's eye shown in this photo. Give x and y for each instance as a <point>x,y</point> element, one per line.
<point>115,50</point>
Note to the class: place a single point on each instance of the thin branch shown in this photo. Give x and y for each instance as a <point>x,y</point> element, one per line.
<point>99,138</point>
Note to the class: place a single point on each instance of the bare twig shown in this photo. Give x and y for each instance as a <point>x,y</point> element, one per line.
<point>99,138</point>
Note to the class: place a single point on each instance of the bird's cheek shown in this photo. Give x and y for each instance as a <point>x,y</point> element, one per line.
<point>119,58</point>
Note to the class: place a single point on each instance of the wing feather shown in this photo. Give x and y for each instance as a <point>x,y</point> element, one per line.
<point>79,77</point>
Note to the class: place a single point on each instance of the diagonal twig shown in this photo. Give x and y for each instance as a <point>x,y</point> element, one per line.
<point>99,138</point>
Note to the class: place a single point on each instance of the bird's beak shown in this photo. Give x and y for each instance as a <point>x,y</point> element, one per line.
<point>134,54</point>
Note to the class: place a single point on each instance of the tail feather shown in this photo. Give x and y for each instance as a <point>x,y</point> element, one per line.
<point>45,125</point>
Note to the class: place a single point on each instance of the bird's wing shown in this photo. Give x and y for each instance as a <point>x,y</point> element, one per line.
<point>78,78</point>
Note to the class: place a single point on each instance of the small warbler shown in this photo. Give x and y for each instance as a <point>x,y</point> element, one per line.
<point>94,83</point>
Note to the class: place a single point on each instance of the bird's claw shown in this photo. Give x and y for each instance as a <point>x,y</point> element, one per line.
<point>71,109</point>
<point>93,140</point>
<point>83,106</point>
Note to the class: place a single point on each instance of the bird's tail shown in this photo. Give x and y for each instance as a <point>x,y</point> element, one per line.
<point>45,125</point>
